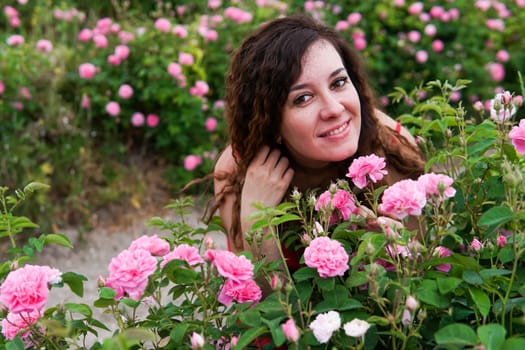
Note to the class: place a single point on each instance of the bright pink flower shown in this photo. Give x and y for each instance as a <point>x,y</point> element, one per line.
<point>290,330</point>
<point>104,25</point>
<point>483,5</point>
<point>437,187</point>
<point>19,323</point>
<point>26,288</point>
<point>137,119</point>
<point>15,39</point>
<point>85,102</point>
<point>100,41</point>
<point>501,241</point>
<point>113,108</point>
<point>520,3</point>
<point>174,69</point>
<point>415,8</point>
<point>2,87</point>
<point>326,255</point>
<point>436,11</point>
<point>517,135</point>
<point>360,43</point>
<point>496,24</point>
<point>476,245</point>
<point>518,100</point>
<point>421,56</point>
<point>115,28</point>
<point>478,106</point>
<point>341,201</point>
<point>210,124</point>
<point>14,22</point>
<point>129,273</point>
<point>214,4</point>
<point>125,91</point>
<point>231,266</point>
<point>406,197</point>
<point>153,244</point>
<point>342,25</point>
<point>114,60</point>
<point>186,58</point>
<point>44,45</point>
<point>152,120</point>
<point>200,88</point>
<point>241,291</point>
<point>442,253</point>
<point>122,51</point>
<point>502,55</point>
<point>354,18</point>
<point>496,71</point>
<point>87,71</point>
<point>238,15</point>
<point>10,11</point>
<point>183,252</point>
<point>370,166</point>
<point>438,45</point>
<point>180,31</point>
<point>163,25</point>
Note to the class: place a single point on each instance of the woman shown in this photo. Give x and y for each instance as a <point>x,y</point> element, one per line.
<point>299,110</point>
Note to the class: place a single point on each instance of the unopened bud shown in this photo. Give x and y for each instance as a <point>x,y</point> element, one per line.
<point>296,195</point>
<point>411,303</point>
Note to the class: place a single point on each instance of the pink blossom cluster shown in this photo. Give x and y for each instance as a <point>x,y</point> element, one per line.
<point>25,292</point>
<point>367,167</point>
<point>327,256</point>
<point>238,15</point>
<point>340,204</point>
<point>238,272</point>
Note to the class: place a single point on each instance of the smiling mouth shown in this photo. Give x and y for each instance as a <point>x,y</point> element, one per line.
<point>336,131</point>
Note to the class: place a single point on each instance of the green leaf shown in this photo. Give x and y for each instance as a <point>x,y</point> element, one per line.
<point>285,218</point>
<point>251,318</point>
<point>15,344</point>
<point>304,273</point>
<point>59,239</point>
<point>456,334</point>
<point>178,332</point>
<point>492,336</point>
<point>513,344</point>
<point>249,336</point>
<point>107,293</point>
<point>496,216</point>
<point>481,300</point>
<point>357,279</point>
<point>472,277</point>
<point>35,186</point>
<point>82,309</point>
<point>428,293</point>
<point>75,282</point>
<point>448,284</point>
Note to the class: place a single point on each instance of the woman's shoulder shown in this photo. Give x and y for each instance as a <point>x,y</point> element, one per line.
<point>226,162</point>
<point>388,121</point>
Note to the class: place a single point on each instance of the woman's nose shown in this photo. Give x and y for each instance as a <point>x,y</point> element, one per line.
<point>331,107</point>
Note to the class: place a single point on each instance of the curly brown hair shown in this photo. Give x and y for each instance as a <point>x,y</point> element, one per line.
<point>258,82</point>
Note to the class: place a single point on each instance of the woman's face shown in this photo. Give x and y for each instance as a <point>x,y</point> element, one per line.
<point>322,114</point>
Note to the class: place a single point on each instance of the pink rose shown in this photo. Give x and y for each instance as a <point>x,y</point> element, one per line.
<point>229,265</point>
<point>371,166</point>
<point>354,18</point>
<point>290,330</point>
<point>416,8</point>
<point>163,25</point>
<point>501,241</point>
<point>152,120</point>
<point>15,39</point>
<point>104,25</point>
<point>240,291</point>
<point>406,197</point>
<point>186,58</point>
<point>125,91</point>
<point>26,288</point>
<point>100,41</point>
<point>113,108</point>
<point>137,119</point>
<point>502,55</point>
<point>421,56</point>
<point>442,253</point>
<point>341,201</point>
<point>85,35</point>
<point>10,11</point>
<point>122,51</point>
<point>326,255</point>
<point>87,71</point>
<point>14,323</point>
<point>191,162</point>
<point>183,252</point>
<point>153,244</point>
<point>197,341</point>
<point>180,31</point>
<point>114,60</point>
<point>200,88</point>
<point>44,45</point>
<point>438,45</point>
<point>2,87</point>
<point>129,273</point>
<point>174,69</point>
<point>517,135</point>
<point>496,71</point>
<point>210,124</point>
<point>476,245</point>
<point>437,186</point>
<point>430,30</point>
<point>85,102</point>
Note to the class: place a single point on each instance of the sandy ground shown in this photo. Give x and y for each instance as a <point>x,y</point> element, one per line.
<point>92,255</point>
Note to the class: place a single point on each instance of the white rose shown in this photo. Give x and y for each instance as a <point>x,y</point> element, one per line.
<point>325,325</point>
<point>356,328</point>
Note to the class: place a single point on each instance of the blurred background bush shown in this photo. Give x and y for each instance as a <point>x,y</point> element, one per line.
<point>97,96</point>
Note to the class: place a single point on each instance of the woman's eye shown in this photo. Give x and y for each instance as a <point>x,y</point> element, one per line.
<point>301,99</point>
<point>340,82</point>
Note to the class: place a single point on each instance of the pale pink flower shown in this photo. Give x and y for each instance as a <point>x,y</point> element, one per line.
<point>210,124</point>
<point>411,303</point>
<point>125,91</point>
<point>478,106</point>
<point>125,37</point>
<point>414,36</point>
<point>325,325</point>
<point>163,25</point>
<point>437,187</point>
<point>152,120</point>
<point>501,241</point>
<point>241,291</point>
<point>192,161</point>
<point>415,8</point>
<point>421,56</point>
<point>122,51</point>
<point>327,256</point>
<point>197,341</point>
<point>100,41</point>
<point>153,244</point>
<point>502,107</point>
<point>342,25</point>
<point>113,108</point>
<point>438,45</point>
<point>406,197</point>
<point>496,71</point>
<point>231,266</point>
<point>186,58</point>
<point>211,35</point>
<point>200,88</point>
<point>183,252</point>
<point>360,43</point>
<point>114,60</point>
<point>129,273</point>
<point>180,31</point>
<point>15,39</point>
<point>19,323</point>
<point>290,330</point>
<point>370,166</point>
<point>442,253</point>
<point>10,11</point>
<point>14,22</point>
<point>430,30</point>
<point>104,25</point>
<point>476,245</point>
<point>483,5</point>
<point>214,4</point>
<point>341,201</point>
<point>517,135</point>
<point>520,3</point>
<point>174,69</point>
<point>502,55</point>
<point>436,11</point>
<point>44,45</point>
<point>137,119</point>
<point>495,24</point>
<point>87,71</point>
<point>85,102</point>
<point>237,15</point>
<point>406,318</point>
<point>25,93</point>
<point>354,18</point>
<point>356,328</point>
<point>26,288</point>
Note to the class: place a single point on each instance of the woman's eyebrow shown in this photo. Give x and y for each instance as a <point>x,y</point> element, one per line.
<point>302,86</point>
